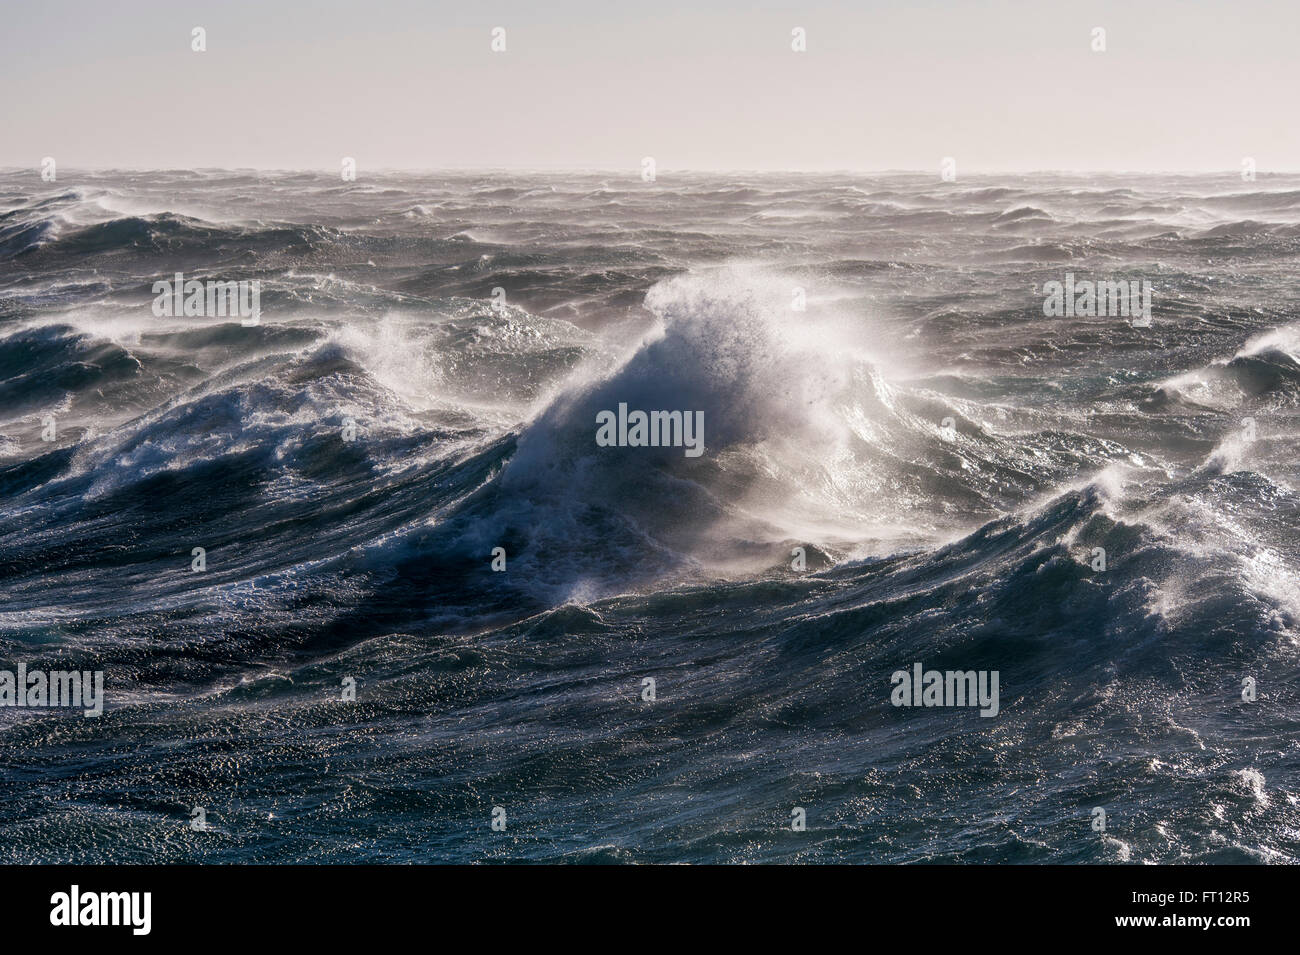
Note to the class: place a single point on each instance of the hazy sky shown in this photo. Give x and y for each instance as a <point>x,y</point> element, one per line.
<point>1189,85</point>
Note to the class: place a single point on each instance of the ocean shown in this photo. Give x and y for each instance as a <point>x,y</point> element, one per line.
<point>365,584</point>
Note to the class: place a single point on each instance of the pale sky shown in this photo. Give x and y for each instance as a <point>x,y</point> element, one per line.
<point>708,84</point>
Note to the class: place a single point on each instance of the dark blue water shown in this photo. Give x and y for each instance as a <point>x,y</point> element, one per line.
<point>946,456</point>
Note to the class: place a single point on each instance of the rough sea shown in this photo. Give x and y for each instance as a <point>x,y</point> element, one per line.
<point>906,461</point>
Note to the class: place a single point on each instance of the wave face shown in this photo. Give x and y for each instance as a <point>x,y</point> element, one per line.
<point>881,392</point>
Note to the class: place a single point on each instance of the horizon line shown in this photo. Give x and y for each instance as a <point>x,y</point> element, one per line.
<point>633,173</point>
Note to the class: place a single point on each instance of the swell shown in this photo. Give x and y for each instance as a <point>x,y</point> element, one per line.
<point>315,540</point>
